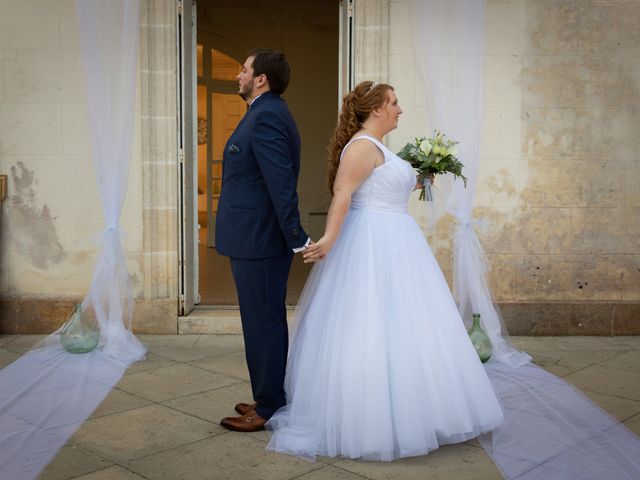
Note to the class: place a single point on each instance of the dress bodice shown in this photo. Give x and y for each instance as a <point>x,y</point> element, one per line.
<point>388,187</point>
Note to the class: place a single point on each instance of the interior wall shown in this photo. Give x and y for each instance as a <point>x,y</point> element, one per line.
<point>307,32</point>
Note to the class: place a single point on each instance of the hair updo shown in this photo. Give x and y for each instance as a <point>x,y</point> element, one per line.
<point>357,105</point>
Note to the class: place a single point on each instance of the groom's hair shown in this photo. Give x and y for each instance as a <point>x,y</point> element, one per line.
<point>274,66</point>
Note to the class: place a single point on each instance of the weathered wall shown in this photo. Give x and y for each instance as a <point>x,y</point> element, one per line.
<point>559,178</point>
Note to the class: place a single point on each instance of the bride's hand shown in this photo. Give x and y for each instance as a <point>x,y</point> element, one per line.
<point>316,252</point>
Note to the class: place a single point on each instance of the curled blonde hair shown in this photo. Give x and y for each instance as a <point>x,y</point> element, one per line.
<point>357,105</point>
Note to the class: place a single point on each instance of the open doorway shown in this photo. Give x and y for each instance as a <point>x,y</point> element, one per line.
<point>308,32</point>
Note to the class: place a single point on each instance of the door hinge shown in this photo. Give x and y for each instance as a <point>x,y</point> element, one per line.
<point>179,7</point>
<point>181,155</point>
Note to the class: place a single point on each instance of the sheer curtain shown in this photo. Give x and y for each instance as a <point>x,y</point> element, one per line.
<point>48,393</point>
<point>551,430</point>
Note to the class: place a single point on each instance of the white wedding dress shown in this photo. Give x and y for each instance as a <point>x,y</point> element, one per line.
<point>380,365</point>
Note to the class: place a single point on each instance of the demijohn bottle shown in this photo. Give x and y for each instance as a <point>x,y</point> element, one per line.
<point>480,339</point>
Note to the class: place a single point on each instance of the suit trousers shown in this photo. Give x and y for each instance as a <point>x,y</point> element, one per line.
<point>262,288</point>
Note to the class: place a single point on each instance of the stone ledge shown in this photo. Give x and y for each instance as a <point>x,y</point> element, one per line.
<point>25,316</point>
<point>37,316</point>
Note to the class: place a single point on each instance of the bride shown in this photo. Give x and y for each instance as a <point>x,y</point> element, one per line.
<point>380,366</point>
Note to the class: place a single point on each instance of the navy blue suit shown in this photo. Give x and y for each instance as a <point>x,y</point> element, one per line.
<point>257,226</point>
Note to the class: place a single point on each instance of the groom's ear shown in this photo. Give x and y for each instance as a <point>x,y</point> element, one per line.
<point>261,80</point>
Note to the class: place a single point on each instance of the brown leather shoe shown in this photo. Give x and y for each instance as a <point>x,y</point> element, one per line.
<point>250,422</point>
<point>244,408</point>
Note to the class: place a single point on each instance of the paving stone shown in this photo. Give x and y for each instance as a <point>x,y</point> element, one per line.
<point>230,456</point>
<point>174,381</point>
<point>182,341</point>
<point>233,364</point>
<point>24,343</point>
<point>7,357</point>
<point>459,462</point>
<point>331,473</point>
<point>112,473</point>
<point>607,380</point>
<point>213,405</point>
<point>72,461</point>
<point>619,408</point>
<point>118,401</point>
<point>150,362</point>
<point>180,354</point>
<point>4,339</point>
<point>629,361</point>
<point>141,432</point>
<point>633,424</point>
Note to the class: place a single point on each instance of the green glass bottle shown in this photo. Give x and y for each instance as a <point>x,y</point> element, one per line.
<point>480,339</point>
<point>80,333</point>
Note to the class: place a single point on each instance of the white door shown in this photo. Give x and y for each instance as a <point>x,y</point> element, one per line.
<point>346,45</point>
<point>187,154</point>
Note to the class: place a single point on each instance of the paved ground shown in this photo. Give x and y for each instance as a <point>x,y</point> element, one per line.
<point>161,422</point>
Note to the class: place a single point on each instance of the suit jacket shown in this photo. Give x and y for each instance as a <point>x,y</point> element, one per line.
<point>258,209</point>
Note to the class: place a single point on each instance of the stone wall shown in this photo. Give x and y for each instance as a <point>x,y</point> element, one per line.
<point>52,214</point>
<point>559,181</point>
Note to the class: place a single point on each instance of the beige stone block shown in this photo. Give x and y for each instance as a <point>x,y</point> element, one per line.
<point>41,75</point>
<point>552,183</point>
<point>69,36</point>
<point>546,230</point>
<point>30,128</point>
<point>30,24</point>
<point>1,68</point>
<point>499,230</point>
<point>73,461</point>
<point>502,81</point>
<point>34,272</point>
<point>156,315</point>
<point>160,187</point>
<point>569,278</point>
<point>35,179</point>
<point>497,183</point>
<point>610,28</point>
<point>632,184</point>
<point>39,229</point>
<point>403,82</point>
<point>147,430</point>
<point>76,131</point>
<point>630,273</point>
<point>197,461</point>
<point>548,27</point>
<point>607,134</point>
<point>400,38</point>
<point>605,231</point>
<point>548,133</point>
<point>161,277</point>
<point>502,133</point>
<point>503,276</point>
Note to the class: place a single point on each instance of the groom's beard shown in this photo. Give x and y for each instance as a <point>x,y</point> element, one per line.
<point>246,91</point>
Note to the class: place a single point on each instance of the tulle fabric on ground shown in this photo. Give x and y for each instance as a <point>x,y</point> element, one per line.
<point>380,365</point>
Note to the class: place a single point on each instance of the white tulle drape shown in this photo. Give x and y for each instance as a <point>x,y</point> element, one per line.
<point>551,430</point>
<point>449,38</point>
<point>48,393</point>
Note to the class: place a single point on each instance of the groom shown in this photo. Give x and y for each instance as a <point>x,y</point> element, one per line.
<point>258,227</point>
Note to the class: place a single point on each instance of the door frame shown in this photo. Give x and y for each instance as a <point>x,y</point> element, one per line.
<point>187,134</point>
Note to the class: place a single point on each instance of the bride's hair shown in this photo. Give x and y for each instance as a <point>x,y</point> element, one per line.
<point>357,105</point>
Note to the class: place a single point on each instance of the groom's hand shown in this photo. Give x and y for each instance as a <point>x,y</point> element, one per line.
<point>316,251</point>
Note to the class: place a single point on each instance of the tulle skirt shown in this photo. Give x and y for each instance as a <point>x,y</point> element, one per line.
<point>380,364</point>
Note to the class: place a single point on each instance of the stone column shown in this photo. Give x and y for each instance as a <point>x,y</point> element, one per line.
<point>371,49</point>
<point>157,312</point>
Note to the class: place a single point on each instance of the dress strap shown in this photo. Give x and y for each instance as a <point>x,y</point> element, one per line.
<point>374,140</point>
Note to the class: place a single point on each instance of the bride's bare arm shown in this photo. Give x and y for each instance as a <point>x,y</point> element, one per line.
<point>355,167</point>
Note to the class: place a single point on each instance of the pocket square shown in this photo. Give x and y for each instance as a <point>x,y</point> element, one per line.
<point>233,148</point>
